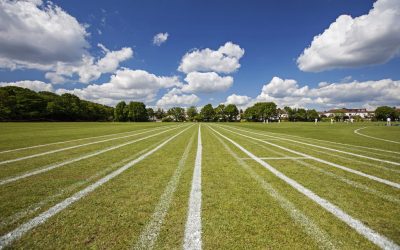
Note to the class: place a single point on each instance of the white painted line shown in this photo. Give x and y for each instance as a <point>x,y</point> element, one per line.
<point>373,137</point>
<point>192,238</point>
<point>331,149</point>
<point>372,177</point>
<point>149,235</point>
<point>62,142</point>
<point>326,141</point>
<point>357,225</point>
<point>57,165</point>
<point>276,158</point>
<point>72,147</point>
<point>308,225</point>
<point>43,217</point>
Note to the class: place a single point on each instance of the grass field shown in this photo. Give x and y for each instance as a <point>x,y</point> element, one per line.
<point>194,186</point>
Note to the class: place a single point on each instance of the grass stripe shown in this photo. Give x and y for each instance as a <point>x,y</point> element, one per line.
<point>43,217</point>
<point>72,147</point>
<point>376,138</point>
<point>53,166</point>
<point>192,238</point>
<point>372,177</point>
<point>149,235</point>
<point>307,224</point>
<point>357,225</point>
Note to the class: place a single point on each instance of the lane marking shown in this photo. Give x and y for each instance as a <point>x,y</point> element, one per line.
<point>57,165</point>
<point>372,177</point>
<point>307,224</point>
<point>72,147</point>
<point>149,235</point>
<point>192,238</point>
<point>62,142</point>
<point>322,147</point>
<point>276,158</point>
<point>373,137</point>
<point>357,225</point>
<point>43,217</point>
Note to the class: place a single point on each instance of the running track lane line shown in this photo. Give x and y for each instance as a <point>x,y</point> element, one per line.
<point>192,238</point>
<point>149,234</point>
<point>357,225</point>
<point>317,146</point>
<point>372,177</point>
<point>57,165</point>
<point>376,138</point>
<point>62,142</point>
<point>43,217</point>
<point>72,147</point>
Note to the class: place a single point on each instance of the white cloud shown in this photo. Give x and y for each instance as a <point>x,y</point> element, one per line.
<point>327,95</point>
<point>369,39</point>
<point>88,69</point>
<point>239,100</point>
<point>127,85</point>
<point>32,85</point>
<point>224,60</point>
<point>160,38</point>
<point>35,35</point>
<point>206,82</point>
<point>176,98</point>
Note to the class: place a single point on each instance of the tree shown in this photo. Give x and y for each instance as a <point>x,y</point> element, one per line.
<point>137,112</point>
<point>384,112</point>
<point>120,112</point>
<point>250,114</point>
<point>160,114</point>
<point>220,113</point>
<point>232,112</point>
<point>312,114</point>
<point>191,113</point>
<point>207,113</point>
<point>177,113</point>
<point>265,110</point>
<point>150,113</point>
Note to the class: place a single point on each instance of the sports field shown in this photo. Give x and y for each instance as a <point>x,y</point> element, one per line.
<point>194,186</point>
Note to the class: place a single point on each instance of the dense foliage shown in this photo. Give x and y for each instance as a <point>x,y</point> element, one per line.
<point>384,112</point>
<point>20,104</point>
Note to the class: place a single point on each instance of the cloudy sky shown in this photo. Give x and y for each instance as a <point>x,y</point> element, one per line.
<point>315,54</point>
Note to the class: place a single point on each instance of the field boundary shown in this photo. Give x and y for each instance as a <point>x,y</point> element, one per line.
<point>373,137</point>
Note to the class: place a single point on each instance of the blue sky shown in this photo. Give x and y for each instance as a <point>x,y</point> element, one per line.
<point>272,34</point>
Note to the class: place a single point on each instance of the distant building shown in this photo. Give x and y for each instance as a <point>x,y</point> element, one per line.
<point>363,113</point>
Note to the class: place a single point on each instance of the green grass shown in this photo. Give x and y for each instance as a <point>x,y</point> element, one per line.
<point>244,206</point>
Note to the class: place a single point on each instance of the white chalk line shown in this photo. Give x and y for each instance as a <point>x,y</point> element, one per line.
<point>373,137</point>
<point>72,147</point>
<point>192,238</point>
<point>378,239</point>
<point>352,183</point>
<point>307,224</point>
<point>149,235</point>
<point>43,217</point>
<point>276,158</point>
<point>338,143</point>
<point>372,177</point>
<point>62,142</point>
<point>322,147</point>
<point>57,165</point>
<point>35,207</point>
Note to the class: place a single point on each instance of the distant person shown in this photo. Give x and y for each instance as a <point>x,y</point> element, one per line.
<point>388,122</point>
<point>316,120</point>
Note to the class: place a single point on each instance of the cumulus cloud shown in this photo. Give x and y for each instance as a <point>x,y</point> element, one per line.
<point>176,98</point>
<point>208,82</point>
<point>32,85</point>
<point>287,92</point>
<point>160,38</point>
<point>224,60</point>
<point>128,85</point>
<point>369,39</point>
<point>238,100</point>
<point>88,69</point>
<point>36,35</point>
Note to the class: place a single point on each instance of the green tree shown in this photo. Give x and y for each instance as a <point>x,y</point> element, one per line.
<point>177,113</point>
<point>220,114</point>
<point>384,112</point>
<point>265,110</point>
<point>312,114</point>
<point>151,113</point>
<point>207,113</point>
<point>231,112</point>
<point>120,112</point>
<point>160,114</point>
<point>191,113</point>
<point>137,112</point>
